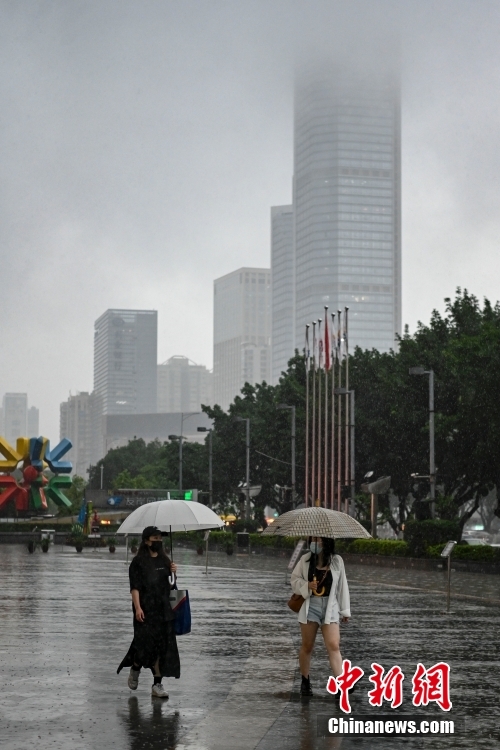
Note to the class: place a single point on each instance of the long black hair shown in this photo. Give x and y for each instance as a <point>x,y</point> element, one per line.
<point>327,552</point>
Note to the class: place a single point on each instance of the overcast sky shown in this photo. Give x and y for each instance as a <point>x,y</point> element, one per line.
<point>143,143</point>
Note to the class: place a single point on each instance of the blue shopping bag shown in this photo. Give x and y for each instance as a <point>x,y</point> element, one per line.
<point>179,601</point>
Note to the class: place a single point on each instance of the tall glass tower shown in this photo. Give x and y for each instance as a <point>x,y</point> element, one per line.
<point>125,361</point>
<point>347,203</point>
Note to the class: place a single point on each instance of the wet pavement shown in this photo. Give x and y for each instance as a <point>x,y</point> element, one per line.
<point>65,624</point>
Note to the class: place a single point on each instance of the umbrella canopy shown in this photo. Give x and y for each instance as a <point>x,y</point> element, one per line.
<point>317,522</point>
<point>171,515</point>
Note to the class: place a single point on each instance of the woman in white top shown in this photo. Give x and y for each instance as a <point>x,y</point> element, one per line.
<point>320,578</point>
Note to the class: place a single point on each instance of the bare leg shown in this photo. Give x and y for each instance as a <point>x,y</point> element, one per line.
<point>308,632</point>
<point>331,637</point>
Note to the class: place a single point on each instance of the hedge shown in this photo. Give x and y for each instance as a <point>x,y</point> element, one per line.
<point>465,552</point>
<point>386,547</point>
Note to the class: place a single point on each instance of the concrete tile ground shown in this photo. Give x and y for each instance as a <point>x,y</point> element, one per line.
<point>65,624</point>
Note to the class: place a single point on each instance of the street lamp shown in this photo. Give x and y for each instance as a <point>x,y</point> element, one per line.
<point>247,441</point>
<point>432,466</point>
<point>210,485</point>
<point>292,409</point>
<point>180,438</point>
<point>352,438</point>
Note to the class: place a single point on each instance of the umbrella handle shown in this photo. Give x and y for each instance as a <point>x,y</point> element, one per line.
<point>171,580</point>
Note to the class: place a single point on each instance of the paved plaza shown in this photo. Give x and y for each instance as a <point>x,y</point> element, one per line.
<point>66,623</point>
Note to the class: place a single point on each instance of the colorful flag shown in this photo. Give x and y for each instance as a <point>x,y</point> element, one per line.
<point>334,341</point>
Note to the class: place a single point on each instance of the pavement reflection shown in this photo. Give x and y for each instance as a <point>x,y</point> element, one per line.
<point>65,622</point>
<point>158,729</point>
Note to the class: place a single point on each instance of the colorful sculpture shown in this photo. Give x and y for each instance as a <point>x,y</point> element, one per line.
<point>31,493</point>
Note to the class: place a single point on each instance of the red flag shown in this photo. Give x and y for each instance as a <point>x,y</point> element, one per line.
<point>327,341</point>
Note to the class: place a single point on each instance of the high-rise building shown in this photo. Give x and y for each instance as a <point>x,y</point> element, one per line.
<point>282,289</point>
<point>15,413</point>
<point>125,363</point>
<point>242,329</point>
<point>183,386</point>
<point>33,421</point>
<point>347,204</point>
<point>76,425</point>
<point>125,351</point>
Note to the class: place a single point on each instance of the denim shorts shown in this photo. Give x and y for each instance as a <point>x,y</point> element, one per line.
<point>317,609</point>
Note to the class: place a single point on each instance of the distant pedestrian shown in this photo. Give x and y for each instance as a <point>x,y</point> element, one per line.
<point>154,645</point>
<point>320,578</point>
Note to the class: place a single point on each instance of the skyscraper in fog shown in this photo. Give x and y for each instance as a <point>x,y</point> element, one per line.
<point>33,421</point>
<point>76,425</point>
<point>125,351</point>
<point>125,361</point>
<point>15,416</point>
<point>183,386</point>
<point>282,289</point>
<point>346,249</point>
<point>242,329</point>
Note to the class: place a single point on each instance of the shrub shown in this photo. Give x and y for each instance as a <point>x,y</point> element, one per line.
<point>423,534</point>
<point>386,547</point>
<point>465,552</point>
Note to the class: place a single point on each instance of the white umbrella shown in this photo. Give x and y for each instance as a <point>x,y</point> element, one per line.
<point>171,515</point>
<point>314,521</point>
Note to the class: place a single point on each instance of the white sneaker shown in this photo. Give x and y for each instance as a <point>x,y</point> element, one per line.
<point>133,678</point>
<point>158,691</point>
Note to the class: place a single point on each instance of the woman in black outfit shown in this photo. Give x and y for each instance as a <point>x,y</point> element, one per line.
<point>154,645</point>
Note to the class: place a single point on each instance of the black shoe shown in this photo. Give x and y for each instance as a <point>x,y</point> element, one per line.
<point>305,688</point>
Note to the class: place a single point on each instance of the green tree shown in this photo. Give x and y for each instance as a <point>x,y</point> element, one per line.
<point>75,495</point>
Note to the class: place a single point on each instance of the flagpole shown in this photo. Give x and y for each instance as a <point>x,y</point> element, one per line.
<point>327,368</point>
<point>332,478</point>
<point>313,453</point>
<point>320,352</point>
<point>339,413</point>
<point>306,352</point>
<point>347,464</point>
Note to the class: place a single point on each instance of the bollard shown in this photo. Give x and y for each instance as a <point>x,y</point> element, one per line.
<point>447,551</point>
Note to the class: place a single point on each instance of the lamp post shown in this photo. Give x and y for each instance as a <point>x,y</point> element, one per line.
<point>247,442</point>
<point>292,409</point>
<point>210,475</point>
<point>180,438</point>
<point>432,466</point>
<point>352,437</point>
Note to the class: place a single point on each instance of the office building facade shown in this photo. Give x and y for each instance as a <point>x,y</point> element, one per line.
<point>183,386</point>
<point>242,331</point>
<point>346,207</point>
<point>125,361</point>
<point>282,289</point>
<point>125,368</point>
<point>75,423</point>
<point>33,421</point>
<point>15,416</point>
<point>347,203</point>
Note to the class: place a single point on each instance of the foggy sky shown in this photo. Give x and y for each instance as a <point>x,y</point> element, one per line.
<point>142,145</point>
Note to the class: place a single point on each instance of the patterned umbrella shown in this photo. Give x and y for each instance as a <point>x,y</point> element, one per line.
<point>317,522</point>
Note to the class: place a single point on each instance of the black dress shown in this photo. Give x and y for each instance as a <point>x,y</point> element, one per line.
<point>155,637</point>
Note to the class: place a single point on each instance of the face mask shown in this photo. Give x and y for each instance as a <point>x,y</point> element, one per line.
<point>315,548</point>
<point>156,546</point>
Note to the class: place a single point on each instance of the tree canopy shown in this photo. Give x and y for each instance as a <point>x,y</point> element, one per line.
<point>463,349</point>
